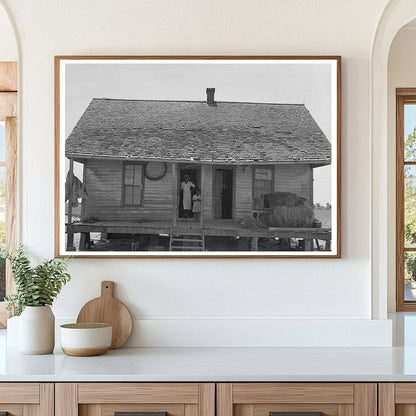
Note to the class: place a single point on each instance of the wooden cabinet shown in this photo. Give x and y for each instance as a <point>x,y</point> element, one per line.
<point>208,399</point>
<point>264,399</point>
<point>27,399</point>
<point>107,399</point>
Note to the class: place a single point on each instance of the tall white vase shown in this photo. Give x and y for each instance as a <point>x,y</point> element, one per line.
<point>12,334</point>
<point>37,330</point>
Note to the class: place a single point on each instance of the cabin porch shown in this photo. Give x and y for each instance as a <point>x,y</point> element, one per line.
<point>246,236</point>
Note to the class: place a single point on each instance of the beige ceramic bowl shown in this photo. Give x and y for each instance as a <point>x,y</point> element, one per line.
<point>83,340</point>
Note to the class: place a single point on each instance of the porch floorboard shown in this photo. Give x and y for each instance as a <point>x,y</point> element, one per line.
<point>221,228</point>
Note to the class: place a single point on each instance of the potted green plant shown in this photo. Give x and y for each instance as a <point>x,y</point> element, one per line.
<point>36,289</point>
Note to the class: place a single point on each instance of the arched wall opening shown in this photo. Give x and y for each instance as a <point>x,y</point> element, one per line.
<point>401,73</point>
<point>396,16</point>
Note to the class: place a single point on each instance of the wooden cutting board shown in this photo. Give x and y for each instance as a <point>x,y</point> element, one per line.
<point>107,309</point>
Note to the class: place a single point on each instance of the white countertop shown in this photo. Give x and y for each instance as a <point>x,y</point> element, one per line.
<point>221,364</point>
<point>215,364</point>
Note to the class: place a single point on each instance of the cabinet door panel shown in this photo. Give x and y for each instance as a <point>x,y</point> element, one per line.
<point>27,399</point>
<point>329,399</point>
<point>110,409</point>
<point>265,409</point>
<point>191,410</point>
<point>405,410</point>
<point>90,410</point>
<point>12,409</point>
<point>105,399</point>
<point>346,410</point>
<point>397,399</point>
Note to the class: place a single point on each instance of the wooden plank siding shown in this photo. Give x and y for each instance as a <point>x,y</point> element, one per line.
<point>296,178</point>
<point>104,184</point>
<point>243,192</point>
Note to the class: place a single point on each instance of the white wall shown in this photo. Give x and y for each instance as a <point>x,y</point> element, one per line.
<point>195,302</point>
<point>8,47</point>
<point>401,74</point>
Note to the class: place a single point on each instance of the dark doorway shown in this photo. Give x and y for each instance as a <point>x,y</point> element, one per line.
<point>223,194</point>
<point>194,174</point>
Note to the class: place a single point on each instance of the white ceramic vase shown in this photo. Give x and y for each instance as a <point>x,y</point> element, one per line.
<point>37,330</point>
<point>12,334</point>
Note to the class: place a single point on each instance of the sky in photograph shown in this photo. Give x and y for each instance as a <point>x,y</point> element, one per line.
<point>298,83</point>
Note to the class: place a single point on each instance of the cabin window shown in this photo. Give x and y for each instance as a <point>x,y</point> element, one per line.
<point>262,186</point>
<point>133,184</point>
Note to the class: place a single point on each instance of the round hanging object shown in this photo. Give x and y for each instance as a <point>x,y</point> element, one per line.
<point>155,170</point>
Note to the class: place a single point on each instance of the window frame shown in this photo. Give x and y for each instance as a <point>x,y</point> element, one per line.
<point>403,96</point>
<point>8,113</point>
<point>271,167</point>
<point>123,192</point>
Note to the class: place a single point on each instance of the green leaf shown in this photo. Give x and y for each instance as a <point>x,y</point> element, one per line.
<point>35,286</point>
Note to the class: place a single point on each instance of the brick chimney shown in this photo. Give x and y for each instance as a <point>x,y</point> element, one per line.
<point>210,97</point>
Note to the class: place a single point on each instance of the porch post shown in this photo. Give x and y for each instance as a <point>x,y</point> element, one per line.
<point>70,235</point>
<point>174,194</point>
<point>202,195</point>
<point>255,243</point>
<point>84,189</point>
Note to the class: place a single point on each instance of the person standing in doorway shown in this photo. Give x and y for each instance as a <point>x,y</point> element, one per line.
<point>196,206</point>
<point>186,187</point>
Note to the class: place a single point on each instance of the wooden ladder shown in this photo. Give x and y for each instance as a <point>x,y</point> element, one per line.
<point>187,240</point>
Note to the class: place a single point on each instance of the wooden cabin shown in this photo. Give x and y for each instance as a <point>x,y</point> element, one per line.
<point>135,154</point>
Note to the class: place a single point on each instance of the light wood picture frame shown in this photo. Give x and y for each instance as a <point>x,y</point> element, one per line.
<point>198,156</point>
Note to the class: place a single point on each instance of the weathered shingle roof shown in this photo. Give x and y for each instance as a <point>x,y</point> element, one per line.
<point>230,132</point>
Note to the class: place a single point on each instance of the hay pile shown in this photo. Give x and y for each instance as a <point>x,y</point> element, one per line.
<point>289,210</point>
<point>252,223</point>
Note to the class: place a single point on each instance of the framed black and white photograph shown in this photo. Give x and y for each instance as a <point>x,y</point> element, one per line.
<point>198,156</point>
